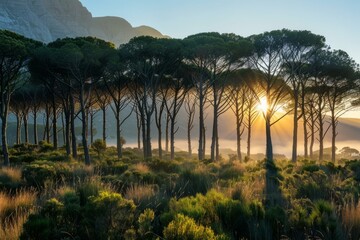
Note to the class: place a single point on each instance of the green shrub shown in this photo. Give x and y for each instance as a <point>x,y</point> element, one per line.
<point>99,146</point>
<point>185,228</point>
<point>45,146</point>
<point>109,215</point>
<point>145,224</point>
<point>38,172</point>
<point>192,182</point>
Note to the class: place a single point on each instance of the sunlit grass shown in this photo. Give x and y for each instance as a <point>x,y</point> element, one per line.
<point>350,216</point>
<point>14,211</point>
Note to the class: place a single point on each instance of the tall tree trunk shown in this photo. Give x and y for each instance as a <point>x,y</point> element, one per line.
<point>104,124</point>
<point>47,123</point>
<point>321,133</point>
<point>18,128</point>
<point>295,129</point>
<point>269,148</point>
<point>84,127</point>
<point>172,138</point>
<point>204,141</point>
<point>4,144</point>
<point>159,141</point>
<point>72,127</point>
<point>63,128</point>
<point>333,137</point>
<point>35,128</point>
<point>238,134</point>
<point>91,128</point>
<point>67,133</point>
<point>167,132</point>
<point>143,130</point>
<point>26,129</point>
<point>201,128</point>
<point>249,137</point>
<point>148,136</point>
<point>138,126</point>
<point>189,126</point>
<point>215,122</point>
<point>4,110</point>
<point>118,135</point>
<point>312,137</point>
<point>306,142</point>
<point>54,123</point>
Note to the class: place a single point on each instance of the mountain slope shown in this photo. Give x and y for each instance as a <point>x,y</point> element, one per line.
<point>48,20</point>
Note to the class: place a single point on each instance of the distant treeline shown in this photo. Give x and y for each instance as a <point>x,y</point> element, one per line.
<point>284,71</point>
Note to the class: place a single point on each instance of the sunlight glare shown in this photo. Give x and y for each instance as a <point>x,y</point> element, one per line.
<point>262,106</point>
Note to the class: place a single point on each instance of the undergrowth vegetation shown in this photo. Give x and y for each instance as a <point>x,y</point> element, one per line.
<point>46,195</point>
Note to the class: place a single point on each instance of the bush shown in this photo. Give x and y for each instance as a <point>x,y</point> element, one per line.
<point>109,215</point>
<point>145,224</point>
<point>99,146</point>
<point>185,228</point>
<point>38,172</point>
<point>45,146</point>
<point>192,182</point>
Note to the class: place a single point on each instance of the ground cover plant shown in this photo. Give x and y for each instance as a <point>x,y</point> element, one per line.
<point>176,199</point>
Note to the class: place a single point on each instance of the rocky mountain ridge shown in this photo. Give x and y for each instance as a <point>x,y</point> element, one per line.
<point>48,20</point>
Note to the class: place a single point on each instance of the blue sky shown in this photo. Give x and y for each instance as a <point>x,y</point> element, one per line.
<point>337,20</point>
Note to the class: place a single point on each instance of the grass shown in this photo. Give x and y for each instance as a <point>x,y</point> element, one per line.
<point>152,183</point>
<point>14,211</point>
<point>350,215</point>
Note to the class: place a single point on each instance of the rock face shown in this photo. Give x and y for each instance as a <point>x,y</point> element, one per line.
<point>48,20</point>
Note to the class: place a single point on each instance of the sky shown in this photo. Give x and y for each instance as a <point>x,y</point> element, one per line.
<point>337,20</point>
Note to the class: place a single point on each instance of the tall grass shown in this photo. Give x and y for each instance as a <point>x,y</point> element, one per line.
<point>350,215</point>
<point>14,211</point>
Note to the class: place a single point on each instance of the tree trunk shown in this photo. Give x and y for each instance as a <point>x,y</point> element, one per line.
<point>104,124</point>
<point>72,126</point>
<point>167,133</point>
<point>201,128</point>
<point>67,132</point>
<point>143,130</point>
<point>295,129</point>
<point>333,137</point>
<point>249,137</point>
<point>91,128</point>
<point>118,135</point>
<point>63,127</point>
<point>138,125</point>
<point>18,128</point>
<point>172,138</point>
<point>148,136</point>
<point>306,143</point>
<point>238,131</point>
<point>5,150</point>
<point>269,148</point>
<point>321,133</point>
<point>35,128</point>
<point>55,139</point>
<point>189,126</point>
<point>159,141</point>
<point>215,122</point>
<point>47,123</point>
<point>84,127</point>
<point>26,129</point>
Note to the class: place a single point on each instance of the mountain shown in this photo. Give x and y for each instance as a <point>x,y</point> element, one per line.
<point>48,20</point>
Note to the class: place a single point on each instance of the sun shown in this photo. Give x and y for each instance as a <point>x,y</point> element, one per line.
<point>262,106</point>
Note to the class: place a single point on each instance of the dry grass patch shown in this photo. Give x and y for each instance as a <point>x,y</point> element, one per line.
<point>141,168</point>
<point>14,211</point>
<point>140,192</point>
<point>350,215</point>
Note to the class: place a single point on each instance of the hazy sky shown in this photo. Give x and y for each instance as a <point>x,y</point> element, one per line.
<point>337,20</point>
